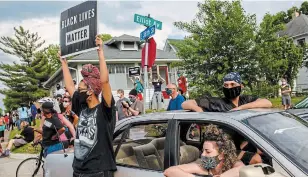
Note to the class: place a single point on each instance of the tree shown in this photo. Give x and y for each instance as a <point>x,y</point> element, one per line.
<point>291,12</point>
<point>23,80</point>
<point>1,111</point>
<point>105,37</point>
<point>24,46</point>
<point>51,53</point>
<point>280,18</point>
<point>277,56</point>
<point>221,41</point>
<point>304,8</point>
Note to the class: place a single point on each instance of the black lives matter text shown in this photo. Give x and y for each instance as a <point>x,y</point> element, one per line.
<point>78,18</point>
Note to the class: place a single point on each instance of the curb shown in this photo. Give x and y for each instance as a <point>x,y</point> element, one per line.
<point>22,156</point>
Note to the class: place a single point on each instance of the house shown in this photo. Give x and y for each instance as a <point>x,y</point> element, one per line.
<point>298,30</point>
<point>120,53</point>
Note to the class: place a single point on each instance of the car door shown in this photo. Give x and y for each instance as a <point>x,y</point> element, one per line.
<point>138,149</point>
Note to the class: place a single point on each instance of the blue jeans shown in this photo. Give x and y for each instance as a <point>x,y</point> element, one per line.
<point>52,148</point>
<point>18,123</point>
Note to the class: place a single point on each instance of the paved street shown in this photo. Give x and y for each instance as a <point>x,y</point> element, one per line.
<point>8,167</point>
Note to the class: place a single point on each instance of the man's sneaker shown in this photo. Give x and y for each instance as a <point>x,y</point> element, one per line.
<point>6,154</point>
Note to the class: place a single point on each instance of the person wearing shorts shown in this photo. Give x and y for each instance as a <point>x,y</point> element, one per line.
<point>285,92</point>
<point>26,136</point>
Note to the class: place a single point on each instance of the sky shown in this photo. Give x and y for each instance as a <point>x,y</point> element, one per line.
<point>115,18</point>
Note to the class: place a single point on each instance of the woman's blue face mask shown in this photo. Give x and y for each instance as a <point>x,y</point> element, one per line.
<point>168,91</point>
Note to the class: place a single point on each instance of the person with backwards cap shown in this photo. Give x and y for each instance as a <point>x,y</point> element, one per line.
<point>233,100</point>
<point>93,150</point>
<point>51,130</point>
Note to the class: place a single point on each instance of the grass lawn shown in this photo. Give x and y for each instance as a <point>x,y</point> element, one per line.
<point>28,148</point>
<point>277,101</point>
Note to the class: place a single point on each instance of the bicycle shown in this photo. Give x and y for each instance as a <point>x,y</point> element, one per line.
<point>38,161</point>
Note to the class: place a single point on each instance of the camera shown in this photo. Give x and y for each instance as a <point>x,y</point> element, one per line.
<point>127,103</point>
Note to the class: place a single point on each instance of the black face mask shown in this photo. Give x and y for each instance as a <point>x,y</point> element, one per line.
<point>83,96</point>
<point>209,163</point>
<point>231,93</point>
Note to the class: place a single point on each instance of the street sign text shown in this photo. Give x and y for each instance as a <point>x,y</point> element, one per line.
<point>148,32</point>
<point>143,20</point>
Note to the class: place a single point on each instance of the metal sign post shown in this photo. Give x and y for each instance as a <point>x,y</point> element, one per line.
<point>150,24</point>
<point>145,75</point>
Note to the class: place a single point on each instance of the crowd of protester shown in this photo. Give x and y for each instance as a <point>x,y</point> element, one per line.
<point>83,115</point>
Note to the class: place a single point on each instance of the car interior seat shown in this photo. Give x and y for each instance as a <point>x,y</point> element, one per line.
<point>189,154</point>
<point>159,144</point>
<point>148,157</point>
<point>126,155</point>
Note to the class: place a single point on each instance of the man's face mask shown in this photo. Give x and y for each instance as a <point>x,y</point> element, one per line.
<point>168,91</point>
<point>231,93</point>
<point>119,95</point>
<point>132,99</point>
<point>209,163</point>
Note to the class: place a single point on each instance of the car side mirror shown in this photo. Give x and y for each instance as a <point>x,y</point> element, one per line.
<point>259,170</point>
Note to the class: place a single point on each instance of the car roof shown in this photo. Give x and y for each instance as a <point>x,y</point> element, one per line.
<point>186,115</point>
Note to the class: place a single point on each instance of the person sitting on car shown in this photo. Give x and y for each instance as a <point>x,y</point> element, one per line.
<point>26,136</point>
<point>233,100</point>
<point>217,159</point>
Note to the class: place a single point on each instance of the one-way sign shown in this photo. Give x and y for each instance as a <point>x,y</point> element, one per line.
<point>148,32</point>
<point>143,20</point>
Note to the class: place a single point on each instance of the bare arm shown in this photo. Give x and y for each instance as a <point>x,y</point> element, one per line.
<point>70,127</point>
<point>42,123</point>
<point>191,105</point>
<point>235,171</point>
<point>104,74</point>
<point>76,118</point>
<point>186,170</point>
<point>134,112</point>
<point>69,84</point>
<point>259,103</point>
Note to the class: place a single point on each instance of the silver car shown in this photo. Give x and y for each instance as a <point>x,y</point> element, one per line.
<point>147,145</point>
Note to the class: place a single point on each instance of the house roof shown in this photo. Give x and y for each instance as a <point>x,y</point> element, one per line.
<point>173,42</point>
<point>113,53</point>
<point>296,27</point>
<point>123,38</point>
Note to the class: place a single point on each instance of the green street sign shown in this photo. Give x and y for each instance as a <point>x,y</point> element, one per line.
<point>144,20</point>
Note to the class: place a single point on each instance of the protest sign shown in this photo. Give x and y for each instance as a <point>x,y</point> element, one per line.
<point>78,29</point>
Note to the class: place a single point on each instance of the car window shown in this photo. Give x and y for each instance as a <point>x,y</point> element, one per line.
<point>194,133</point>
<point>142,146</point>
<point>287,133</point>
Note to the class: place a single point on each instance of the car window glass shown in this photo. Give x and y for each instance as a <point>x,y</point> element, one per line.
<point>286,132</point>
<point>142,146</point>
<point>194,133</point>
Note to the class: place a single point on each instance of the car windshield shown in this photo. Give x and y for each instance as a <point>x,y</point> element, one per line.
<point>286,132</point>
